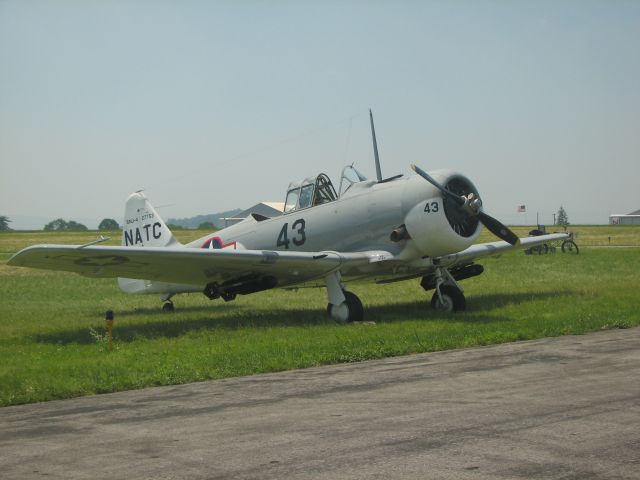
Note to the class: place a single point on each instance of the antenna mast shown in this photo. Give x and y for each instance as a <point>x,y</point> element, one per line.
<point>375,148</point>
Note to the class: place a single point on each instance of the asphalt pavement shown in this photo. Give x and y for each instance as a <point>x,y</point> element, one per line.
<point>563,408</point>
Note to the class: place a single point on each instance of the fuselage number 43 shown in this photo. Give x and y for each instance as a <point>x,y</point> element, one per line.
<point>298,235</point>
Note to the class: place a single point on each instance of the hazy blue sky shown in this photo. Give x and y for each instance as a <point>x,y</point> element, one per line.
<point>210,106</point>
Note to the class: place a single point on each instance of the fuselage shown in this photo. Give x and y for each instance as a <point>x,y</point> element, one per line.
<point>361,219</point>
<point>405,217</point>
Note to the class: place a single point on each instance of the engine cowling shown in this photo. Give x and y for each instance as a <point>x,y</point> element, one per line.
<point>437,226</point>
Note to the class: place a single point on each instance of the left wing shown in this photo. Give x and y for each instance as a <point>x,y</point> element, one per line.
<point>199,267</point>
<point>192,266</point>
<point>493,248</point>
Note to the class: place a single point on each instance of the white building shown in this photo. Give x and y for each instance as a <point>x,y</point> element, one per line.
<point>632,218</point>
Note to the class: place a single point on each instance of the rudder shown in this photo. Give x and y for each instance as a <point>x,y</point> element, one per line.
<point>142,225</point>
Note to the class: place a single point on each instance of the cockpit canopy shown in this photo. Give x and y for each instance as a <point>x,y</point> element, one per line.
<point>309,193</point>
<point>316,191</point>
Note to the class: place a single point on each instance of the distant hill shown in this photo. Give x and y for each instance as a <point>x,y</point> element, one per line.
<point>194,222</point>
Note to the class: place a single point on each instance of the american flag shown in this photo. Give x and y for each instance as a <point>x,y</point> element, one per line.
<point>522,209</point>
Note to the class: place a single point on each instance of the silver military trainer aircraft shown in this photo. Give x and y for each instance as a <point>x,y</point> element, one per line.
<point>386,230</point>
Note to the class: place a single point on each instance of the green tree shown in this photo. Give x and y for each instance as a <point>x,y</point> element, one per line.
<point>76,227</point>
<point>61,225</point>
<point>108,224</point>
<point>55,225</point>
<point>4,223</point>
<point>206,226</point>
<point>562,218</point>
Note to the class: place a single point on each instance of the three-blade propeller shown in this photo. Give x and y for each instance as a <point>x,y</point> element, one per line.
<point>471,205</point>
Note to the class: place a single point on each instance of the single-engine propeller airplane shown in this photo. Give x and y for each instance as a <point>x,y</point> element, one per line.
<point>388,229</point>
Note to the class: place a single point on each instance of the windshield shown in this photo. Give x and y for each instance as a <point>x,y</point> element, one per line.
<point>306,195</point>
<point>350,176</point>
<point>292,200</point>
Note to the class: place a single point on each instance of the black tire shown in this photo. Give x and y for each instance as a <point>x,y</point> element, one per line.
<point>168,307</point>
<point>453,300</point>
<point>540,249</point>
<point>228,297</point>
<point>569,246</point>
<point>354,307</point>
<point>356,311</point>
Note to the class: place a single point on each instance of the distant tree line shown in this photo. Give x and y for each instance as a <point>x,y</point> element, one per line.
<point>172,227</point>
<point>62,225</point>
<point>206,226</point>
<point>108,224</point>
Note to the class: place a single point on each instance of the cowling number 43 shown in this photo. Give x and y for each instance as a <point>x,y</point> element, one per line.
<point>432,207</point>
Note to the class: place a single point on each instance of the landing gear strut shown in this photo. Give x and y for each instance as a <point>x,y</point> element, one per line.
<point>343,306</point>
<point>168,304</point>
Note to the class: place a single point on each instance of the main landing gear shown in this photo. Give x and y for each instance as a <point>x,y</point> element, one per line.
<point>167,307</point>
<point>449,296</point>
<point>343,306</point>
<point>448,299</point>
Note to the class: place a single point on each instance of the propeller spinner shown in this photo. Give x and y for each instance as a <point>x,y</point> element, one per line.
<point>471,205</point>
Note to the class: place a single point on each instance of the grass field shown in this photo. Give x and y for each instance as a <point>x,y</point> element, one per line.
<point>53,337</point>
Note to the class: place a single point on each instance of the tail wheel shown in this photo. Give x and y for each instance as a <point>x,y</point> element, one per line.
<point>450,299</point>
<point>350,310</point>
<point>569,246</point>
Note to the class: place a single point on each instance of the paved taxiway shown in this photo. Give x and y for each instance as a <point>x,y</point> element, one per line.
<point>564,407</point>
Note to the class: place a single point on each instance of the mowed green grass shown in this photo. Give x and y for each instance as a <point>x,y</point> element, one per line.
<point>53,336</point>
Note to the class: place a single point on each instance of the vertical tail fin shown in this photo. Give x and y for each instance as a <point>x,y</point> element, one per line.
<point>142,225</point>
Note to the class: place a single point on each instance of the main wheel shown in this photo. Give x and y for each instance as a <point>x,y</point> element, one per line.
<point>569,246</point>
<point>452,299</point>
<point>540,249</point>
<point>167,307</point>
<point>227,297</point>
<point>350,310</point>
